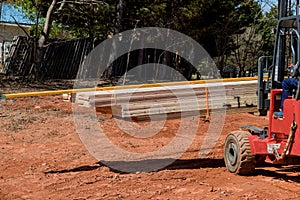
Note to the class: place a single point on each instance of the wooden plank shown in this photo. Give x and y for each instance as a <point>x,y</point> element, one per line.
<point>165,100</point>
<point>175,106</point>
<point>119,100</point>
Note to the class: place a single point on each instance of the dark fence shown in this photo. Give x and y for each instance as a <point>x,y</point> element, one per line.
<point>61,60</point>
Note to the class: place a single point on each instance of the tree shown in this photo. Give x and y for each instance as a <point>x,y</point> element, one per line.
<point>233,20</point>
<point>256,41</point>
<point>39,47</point>
<point>50,11</point>
<point>213,23</point>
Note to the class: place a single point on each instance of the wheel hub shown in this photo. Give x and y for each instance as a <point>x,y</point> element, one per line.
<point>232,154</point>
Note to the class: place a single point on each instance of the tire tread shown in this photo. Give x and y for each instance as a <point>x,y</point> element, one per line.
<point>246,163</point>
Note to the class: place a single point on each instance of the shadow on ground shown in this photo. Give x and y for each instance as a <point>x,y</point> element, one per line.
<point>147,165</point>
<point>286,173</point>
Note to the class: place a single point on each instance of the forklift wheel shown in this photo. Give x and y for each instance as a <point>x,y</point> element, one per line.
<point>237,153</point>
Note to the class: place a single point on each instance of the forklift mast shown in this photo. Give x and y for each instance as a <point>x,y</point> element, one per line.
<point>285,7</point>
<point>286,52</point>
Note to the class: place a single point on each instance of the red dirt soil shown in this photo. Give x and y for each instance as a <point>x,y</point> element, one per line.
<point>42,157</point>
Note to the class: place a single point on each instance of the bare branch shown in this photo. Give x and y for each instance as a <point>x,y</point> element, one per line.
<point>62,4</point>
<point>20,26</point>
<point>267,3</point>
<point>86,2</point>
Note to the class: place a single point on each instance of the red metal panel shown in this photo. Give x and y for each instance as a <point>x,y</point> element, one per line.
<point>279,129</point>
<point>294,105</point>
<point>275,99</point>
<point>283,125</point>
<point>257,145</point>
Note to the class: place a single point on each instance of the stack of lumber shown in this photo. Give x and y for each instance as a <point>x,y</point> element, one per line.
<point>136,102</point>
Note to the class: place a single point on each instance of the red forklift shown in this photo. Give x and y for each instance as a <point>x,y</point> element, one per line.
<point>279,143</point>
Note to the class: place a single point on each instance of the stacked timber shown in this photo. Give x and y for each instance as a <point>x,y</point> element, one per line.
<point>135,102</point>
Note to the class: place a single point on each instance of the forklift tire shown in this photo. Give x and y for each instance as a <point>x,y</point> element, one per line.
<point>237,153</point>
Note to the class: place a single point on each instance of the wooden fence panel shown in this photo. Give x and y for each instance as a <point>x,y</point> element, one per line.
<point>62,58</point>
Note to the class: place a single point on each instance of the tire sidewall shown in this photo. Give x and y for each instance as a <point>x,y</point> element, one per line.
<point>231,138</point>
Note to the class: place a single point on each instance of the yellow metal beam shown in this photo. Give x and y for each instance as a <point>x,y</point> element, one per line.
<point>59,92</point>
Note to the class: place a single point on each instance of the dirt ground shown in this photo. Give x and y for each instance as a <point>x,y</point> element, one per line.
<point>42,157</point>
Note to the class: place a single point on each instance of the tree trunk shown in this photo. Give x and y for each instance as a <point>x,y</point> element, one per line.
<point>36,66</point>
<point>47,26</point>
<point>120,8</point>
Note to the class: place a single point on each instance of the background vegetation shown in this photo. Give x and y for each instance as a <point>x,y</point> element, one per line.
<point>234,32</point>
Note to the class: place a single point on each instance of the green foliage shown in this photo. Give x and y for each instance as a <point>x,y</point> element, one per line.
<point>84,20</point>
<point>266,25</point>
<point>33,8</point>
<point>256,41</point>
<point>216,24</point>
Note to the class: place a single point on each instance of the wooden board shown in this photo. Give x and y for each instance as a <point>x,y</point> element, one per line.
<point>172,99</point>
